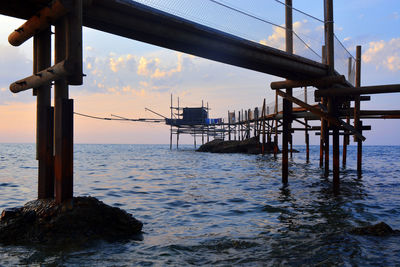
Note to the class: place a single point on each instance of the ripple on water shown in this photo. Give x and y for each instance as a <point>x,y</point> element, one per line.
<point>210,209</point>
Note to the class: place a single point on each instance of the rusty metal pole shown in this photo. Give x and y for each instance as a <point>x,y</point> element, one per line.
<point>357,106</point>
<point>287,105</point>
<point>42,60</point>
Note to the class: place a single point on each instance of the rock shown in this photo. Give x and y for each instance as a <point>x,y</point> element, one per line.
<point>248,146</point>
<point>10,213</point>
<point>80,220</point>
<point>379,229</point>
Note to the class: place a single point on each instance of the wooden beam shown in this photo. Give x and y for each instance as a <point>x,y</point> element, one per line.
<point>366,90</point>
<point>331,119</point>
<point>42,78</point>
<point>39,22</point>
<point>322,82</point>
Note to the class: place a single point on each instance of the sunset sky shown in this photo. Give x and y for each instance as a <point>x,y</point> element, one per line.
<point>125,76</point>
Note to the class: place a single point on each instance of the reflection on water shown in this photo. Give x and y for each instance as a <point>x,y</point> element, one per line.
<point>210,209</point>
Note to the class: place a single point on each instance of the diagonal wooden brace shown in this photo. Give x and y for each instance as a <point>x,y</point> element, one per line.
<point>38,22</point>
<point>320,113</point>
<point>43,77</point>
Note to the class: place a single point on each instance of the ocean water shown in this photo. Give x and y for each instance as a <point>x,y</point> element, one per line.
<point>219,209</point>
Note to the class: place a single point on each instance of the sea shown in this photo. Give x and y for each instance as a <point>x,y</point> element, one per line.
<point>208,209</point>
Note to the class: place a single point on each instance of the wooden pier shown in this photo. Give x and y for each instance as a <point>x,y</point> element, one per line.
<point>339,101</point>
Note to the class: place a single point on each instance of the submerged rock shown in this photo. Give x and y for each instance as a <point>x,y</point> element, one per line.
<point>379,229</point>
<point>80,220</point>
<point>248,146</point>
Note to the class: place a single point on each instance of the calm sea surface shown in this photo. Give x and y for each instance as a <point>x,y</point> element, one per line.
<point>214,209</point>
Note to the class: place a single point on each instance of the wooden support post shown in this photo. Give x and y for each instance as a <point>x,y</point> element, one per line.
<point>332,102</point>
<point>208,130</point>
<point>263,128</point>
<point>64,149</point>
<point>229,126</point>
<point>276,126</point>
<point>177,129</point>
<point>74,44</point>
<point>307,137</point>
<point>287,105</point>
<point>63,124</point>
<point>177,139</point>
<point>357,106</point>
<point>194,137</point>
<point>170,130</point>
<point>45,117</point>
<point>203,119</point>
<point>323,122</point>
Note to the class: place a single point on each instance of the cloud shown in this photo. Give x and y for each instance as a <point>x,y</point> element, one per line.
<point>151,68</point>
<point>14,66</point>
<point>126,61</point>
<point>131,74</point>
<point>385,54</point>
<point>311,35</point>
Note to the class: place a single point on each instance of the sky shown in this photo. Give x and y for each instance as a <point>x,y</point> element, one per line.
<point>125,76</point>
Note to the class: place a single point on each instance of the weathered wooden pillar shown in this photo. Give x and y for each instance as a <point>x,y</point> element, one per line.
<point>357,106</point>
<point>307,136</point>
<point>332,102</point>
<point>177,130</point>
<point>323,124</point>
<point>229,126</point>
<point>276,126</point>
<point>41,61</point>
<point>68,45</point>
<point>170,129</point>
<point>263,128</point>
<point>346,132</point>
<point>203,119</point>
<point>287,105</point>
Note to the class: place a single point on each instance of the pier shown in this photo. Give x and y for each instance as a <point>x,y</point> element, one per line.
<point>335,107</point>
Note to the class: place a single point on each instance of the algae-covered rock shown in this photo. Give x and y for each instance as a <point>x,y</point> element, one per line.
<point>78,220</point>
<point>248,146</point>
<point>379,229</point>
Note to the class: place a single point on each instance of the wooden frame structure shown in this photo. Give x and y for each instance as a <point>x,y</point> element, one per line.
<point>139,22</point>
